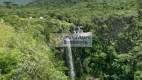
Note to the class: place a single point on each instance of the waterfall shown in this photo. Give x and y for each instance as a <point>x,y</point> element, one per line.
<point>70,59</point>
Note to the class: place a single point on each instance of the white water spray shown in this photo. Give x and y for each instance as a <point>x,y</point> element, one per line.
<point>70,59</point>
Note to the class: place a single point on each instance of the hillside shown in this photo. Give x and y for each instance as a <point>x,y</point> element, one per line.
<point>47,3</point>
<point>20,53</point>
<point>26,51</point>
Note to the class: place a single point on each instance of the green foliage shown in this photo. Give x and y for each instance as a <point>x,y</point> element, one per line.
<point>32,68</point>
<point>8,61</point>
<point>21,58</point>
<point>26,54</point>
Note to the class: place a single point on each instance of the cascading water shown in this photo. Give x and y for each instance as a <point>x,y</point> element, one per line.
<point>70,59</point>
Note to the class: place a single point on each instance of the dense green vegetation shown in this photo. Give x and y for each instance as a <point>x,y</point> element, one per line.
<point>26,53</point>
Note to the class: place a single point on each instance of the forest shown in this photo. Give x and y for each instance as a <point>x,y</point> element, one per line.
<point>26,52</point>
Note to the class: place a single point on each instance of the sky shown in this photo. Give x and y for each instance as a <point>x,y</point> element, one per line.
<point>21,2</point>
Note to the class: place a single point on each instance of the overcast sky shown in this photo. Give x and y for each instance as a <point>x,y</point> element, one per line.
<point>21,2</point>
